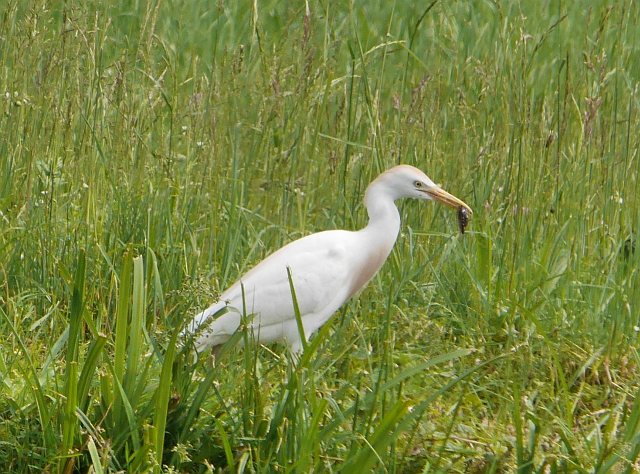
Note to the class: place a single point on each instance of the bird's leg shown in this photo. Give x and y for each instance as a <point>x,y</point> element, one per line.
<point>215,352</point>
<point>295,349</point>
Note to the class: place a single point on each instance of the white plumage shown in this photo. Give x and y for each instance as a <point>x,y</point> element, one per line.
<point>327,268</point>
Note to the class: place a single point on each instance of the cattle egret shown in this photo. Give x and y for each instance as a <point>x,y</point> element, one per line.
<point>326,269</point>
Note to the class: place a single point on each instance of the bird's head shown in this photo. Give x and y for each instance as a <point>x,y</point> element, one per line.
<point>406,181</point>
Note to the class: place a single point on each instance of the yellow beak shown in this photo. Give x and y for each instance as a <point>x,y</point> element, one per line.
<point>439,194</point>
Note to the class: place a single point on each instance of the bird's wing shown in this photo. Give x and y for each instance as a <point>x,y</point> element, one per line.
<point>322,270</point>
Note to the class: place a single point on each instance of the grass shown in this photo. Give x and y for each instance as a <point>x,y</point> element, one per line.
<point>152,152</point>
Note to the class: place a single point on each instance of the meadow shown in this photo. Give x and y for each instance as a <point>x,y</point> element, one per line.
<point>152,151</point>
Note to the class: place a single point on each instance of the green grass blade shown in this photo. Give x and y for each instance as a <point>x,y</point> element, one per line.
<point>225,444</point>
<point>158,292</point>
<point>162,395</point>
<point>70,422</point>
<point>96,463</point>
<point>69,419</point>
<point>88,371</point>
<point>394,383</point>
<point>33,382</point>
<point>196,403</point>
<point>123,310</point>
<point>296,311</point>
<point>385,433</point>
<point>122,316</point>
<point>136,340</point>
<point>130,429</point>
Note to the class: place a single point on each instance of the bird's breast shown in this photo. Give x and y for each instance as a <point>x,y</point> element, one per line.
<point>367,269</point>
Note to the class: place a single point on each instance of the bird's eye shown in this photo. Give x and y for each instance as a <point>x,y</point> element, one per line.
<point>418,184</point>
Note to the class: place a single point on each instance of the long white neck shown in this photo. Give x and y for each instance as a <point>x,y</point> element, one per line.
<point>384,218</point>
<point>380,234</point>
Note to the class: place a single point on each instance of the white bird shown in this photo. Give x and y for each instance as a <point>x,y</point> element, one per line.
<point>327,268</point>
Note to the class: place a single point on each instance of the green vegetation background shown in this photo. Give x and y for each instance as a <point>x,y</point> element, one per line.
<point>151,151</point>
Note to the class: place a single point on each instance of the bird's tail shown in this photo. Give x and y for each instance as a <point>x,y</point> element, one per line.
<point>200,321</point>
<point>192,334</point>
